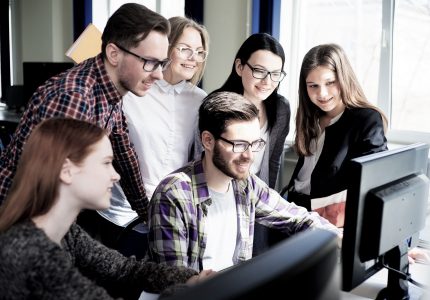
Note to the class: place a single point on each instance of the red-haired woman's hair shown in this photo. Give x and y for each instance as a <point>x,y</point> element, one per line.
<point>35,186</point>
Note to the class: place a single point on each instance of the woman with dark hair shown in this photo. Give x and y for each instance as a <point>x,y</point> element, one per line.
<point>257,71</point>
<point>66,166</point>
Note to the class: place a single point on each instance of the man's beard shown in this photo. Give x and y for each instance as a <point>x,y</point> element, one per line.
<point>223,166</point>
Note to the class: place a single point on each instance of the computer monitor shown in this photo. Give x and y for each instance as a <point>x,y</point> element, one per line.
<point>386,206</point>
<point>308,258</point>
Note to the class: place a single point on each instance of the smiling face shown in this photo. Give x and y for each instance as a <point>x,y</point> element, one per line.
<point>236,165</point>
<point>257,90</point>
<point>324,91</point>
<point>182,67</point>
<point>93,179</point>
<point>130,75</point>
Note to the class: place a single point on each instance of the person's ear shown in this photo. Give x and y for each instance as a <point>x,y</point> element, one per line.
<point>66,172</point>
<point>208,140</point>
<point>238,66</point>
<point>113,54</point>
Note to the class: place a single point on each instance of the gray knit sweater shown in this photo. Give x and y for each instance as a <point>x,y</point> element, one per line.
<point>34,267</point>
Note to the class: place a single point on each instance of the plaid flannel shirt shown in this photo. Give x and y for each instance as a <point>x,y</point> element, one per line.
<point>179,206</point>
<point>83,92</point>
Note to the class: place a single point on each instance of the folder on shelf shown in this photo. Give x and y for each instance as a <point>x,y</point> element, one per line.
<point>87,45</point>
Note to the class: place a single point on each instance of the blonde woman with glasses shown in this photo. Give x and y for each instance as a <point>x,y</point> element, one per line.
<point>162,125</point>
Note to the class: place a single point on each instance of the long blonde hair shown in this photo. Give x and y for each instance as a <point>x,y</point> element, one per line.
<point>333,57</point>
<point>36,184</point>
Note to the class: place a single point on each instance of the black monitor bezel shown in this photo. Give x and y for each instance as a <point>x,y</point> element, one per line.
<point>410,159</point>
<point>311,256</point>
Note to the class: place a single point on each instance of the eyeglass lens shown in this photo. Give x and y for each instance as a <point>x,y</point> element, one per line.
<point>243,146</point>
<point>149,65</point>
<point>261,74</point>
<point>188,53</point>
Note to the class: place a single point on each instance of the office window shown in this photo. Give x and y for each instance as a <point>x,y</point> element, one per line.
<point>411,66</point>
<point>386,42</point>
<point>102,10</point>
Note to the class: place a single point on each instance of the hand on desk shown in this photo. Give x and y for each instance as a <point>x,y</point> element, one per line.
<point>203,275</point>
<point>419,255</point>
<point>334,213</point>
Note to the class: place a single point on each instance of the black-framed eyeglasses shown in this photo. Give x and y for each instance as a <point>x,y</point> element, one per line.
<point>240,146</point>
<point>188,53</point>
<point>149,65</point>
<point>259,73</point>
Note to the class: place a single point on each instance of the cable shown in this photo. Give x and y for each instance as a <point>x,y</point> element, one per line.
<point>405,276</point>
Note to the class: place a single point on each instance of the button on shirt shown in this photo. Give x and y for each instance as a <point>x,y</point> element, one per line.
<point>162,125</point>
<point>179,207</point>
<point>84,92</point>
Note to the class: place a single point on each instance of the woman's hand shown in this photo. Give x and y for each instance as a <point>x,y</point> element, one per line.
<point>203,275</point>
<point>419,255</point>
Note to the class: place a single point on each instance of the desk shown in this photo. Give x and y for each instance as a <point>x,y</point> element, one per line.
<point>370,288</point>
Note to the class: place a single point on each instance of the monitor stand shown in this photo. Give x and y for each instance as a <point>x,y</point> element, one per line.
<point>397,286</point>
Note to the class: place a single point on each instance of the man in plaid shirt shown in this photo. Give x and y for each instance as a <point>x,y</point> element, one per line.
<point>202,215</point>
<point>134,53</point>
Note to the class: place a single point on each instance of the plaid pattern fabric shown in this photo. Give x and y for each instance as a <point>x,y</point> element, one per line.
<point>83,92</point>
<point>179,206</point>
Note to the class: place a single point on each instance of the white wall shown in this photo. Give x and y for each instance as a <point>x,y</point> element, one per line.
<point>229,24</point>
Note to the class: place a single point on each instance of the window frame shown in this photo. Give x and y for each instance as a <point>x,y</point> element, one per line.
<point>290,12</point>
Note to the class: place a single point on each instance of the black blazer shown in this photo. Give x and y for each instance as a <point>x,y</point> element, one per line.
<point>358,132</point>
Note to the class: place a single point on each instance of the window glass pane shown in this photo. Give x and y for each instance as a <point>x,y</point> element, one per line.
<point>173,8</point>
<point>167,8</point>
<point>354,25</point>
<point>411,66</point>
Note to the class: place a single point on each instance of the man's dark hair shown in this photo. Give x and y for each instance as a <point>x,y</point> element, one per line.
<point>130,24</point>
<point>219,109</point>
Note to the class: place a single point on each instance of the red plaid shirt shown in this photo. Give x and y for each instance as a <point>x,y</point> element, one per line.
<point>83,92</point>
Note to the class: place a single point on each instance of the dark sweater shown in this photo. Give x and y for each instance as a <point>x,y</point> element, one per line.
<point>33,266</point>
<point>358,132</point>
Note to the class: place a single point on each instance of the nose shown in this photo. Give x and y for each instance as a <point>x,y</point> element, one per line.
<point>323,92</point>
<point>193,56</point>
<point>115,176</point>
<point>266,79</point>
<point>157,73</point>
<point>248,153</point>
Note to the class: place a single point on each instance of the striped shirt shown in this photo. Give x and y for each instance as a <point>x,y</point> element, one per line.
<point>84,92</point>
<point>179,207</point>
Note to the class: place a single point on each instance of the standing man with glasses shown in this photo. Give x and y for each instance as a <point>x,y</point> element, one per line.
<point>133,56</point>
<point>257,72</point>
<point>202,215</point>
<point>162,126</point>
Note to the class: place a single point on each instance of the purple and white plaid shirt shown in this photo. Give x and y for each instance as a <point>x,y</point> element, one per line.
<point>179,207</point>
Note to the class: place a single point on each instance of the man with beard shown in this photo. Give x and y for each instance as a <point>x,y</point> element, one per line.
<point>202,215</point>
<point>133,56</point>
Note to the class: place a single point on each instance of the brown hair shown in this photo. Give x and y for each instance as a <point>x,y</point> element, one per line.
<point>219,109</point>
<point>178,25</point>
<point>36,183</point>
<point>333,57</point>
<point>130,24</point>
